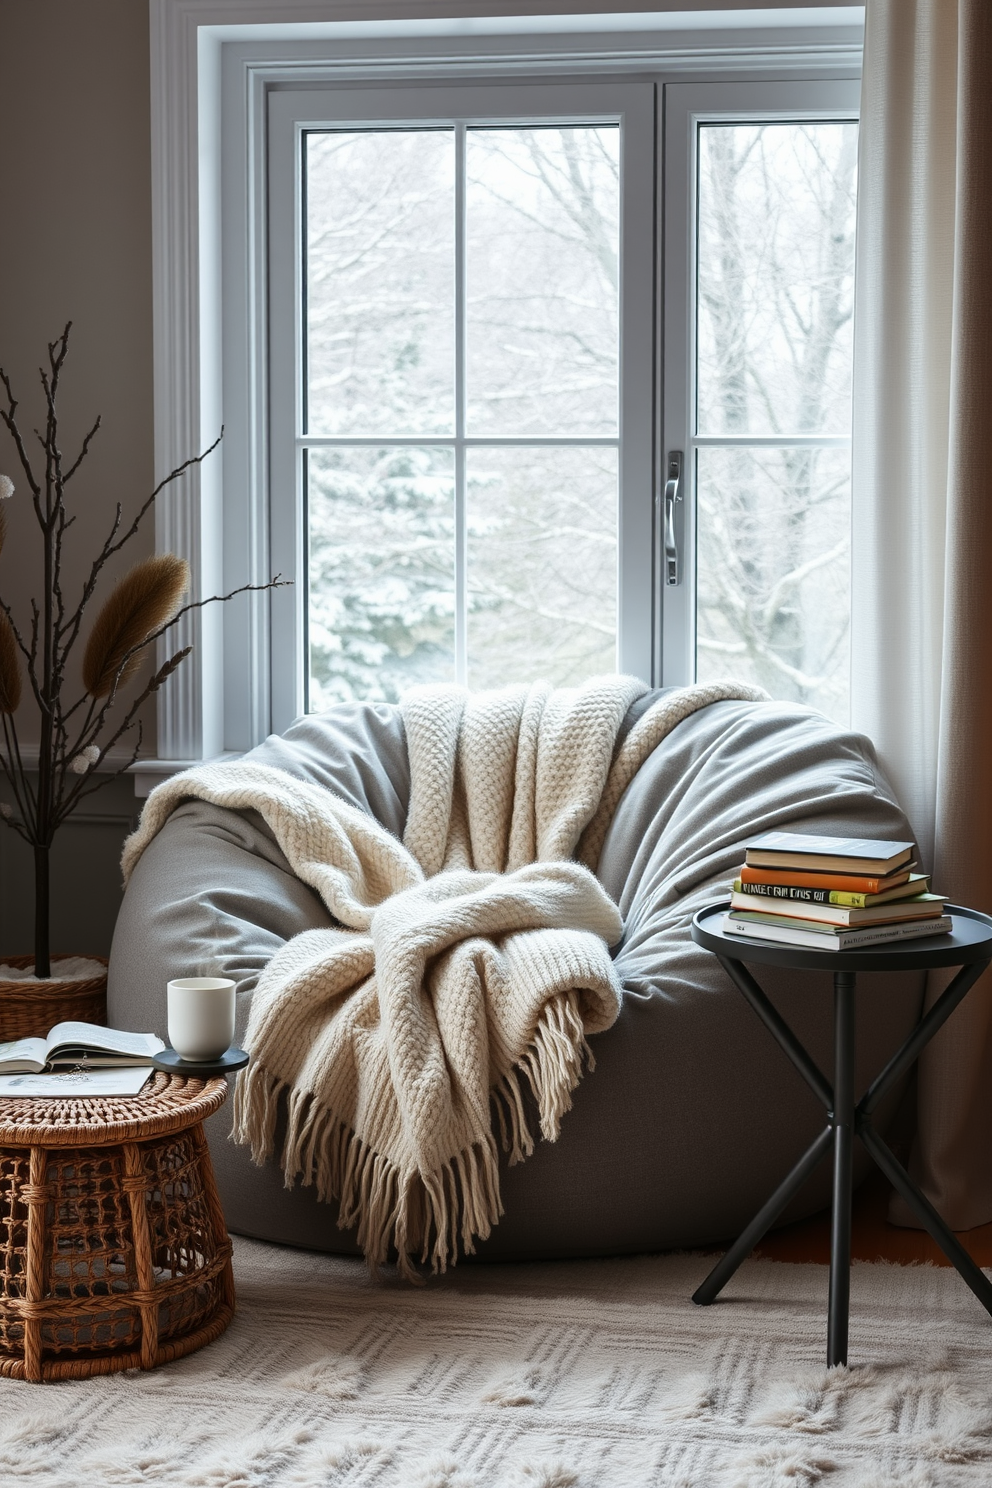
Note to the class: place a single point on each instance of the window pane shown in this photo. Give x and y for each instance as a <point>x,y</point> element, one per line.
<point>772,572</point>
<point>542,268</point>
<point>380,282</point>
<point>542,565</point>
<point>381,599</point>
<point>776,277</point>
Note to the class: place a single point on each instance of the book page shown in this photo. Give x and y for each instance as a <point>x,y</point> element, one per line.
<point>91,1036</point>
<point>91,1082</point>
<point>23,1051</point>
<point>848,847</point>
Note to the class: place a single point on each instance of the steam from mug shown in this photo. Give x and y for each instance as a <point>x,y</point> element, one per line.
<point>201,1016</point>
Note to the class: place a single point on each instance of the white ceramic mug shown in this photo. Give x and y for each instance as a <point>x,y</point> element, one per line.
<point>201,1017</point>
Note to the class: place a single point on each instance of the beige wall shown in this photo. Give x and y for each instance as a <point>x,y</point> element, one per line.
<point>75,244</point>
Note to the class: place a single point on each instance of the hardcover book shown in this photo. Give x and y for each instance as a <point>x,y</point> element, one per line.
<point>799,850</point>
<point>854,883</point>
<point>832,937</point>
<point>915,886</point>
<point>924,906</point>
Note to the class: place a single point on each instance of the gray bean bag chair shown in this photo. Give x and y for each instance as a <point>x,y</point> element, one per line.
<point>692,1114</point>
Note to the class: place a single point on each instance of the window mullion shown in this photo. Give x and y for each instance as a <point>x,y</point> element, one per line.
<point>482,441</point>
<point>461,542</point>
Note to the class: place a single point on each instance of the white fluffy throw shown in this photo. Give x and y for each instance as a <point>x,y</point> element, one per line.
<point>470,958</point>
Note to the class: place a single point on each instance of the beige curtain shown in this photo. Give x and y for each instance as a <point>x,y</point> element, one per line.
<point>922,549</point>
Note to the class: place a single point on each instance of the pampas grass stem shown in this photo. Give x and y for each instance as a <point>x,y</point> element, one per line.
<point>141,603</point>
<point>10,669</point>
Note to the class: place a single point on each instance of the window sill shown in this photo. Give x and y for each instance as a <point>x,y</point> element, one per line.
<point>148,773</point>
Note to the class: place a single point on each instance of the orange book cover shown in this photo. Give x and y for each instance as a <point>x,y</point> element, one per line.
<point>853,883</point>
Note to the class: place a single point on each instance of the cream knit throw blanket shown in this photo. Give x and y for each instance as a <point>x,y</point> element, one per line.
<point>471,958</point>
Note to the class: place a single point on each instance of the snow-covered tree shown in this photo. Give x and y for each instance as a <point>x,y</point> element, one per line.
<point>541,358</point>
<point>539,524</point>
<point>776,271</point>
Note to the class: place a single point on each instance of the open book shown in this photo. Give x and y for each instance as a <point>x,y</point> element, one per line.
<point>71,1045</point>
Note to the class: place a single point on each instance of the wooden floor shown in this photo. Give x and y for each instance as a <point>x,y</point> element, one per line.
<point>872,1237</point>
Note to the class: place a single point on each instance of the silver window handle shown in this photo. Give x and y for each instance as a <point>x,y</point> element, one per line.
<point>673,493</point>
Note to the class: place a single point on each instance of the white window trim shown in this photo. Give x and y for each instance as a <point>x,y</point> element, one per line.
<point>220,699</point>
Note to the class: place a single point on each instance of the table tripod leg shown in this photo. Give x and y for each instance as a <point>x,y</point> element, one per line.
<point>921,1206</point>
<point>843,1125</point>
<point>762,1221</point>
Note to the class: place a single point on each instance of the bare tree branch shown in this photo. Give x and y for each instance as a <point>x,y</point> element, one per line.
<point>84,727</point>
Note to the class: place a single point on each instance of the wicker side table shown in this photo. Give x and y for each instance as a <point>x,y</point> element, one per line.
<point>114,1253</point>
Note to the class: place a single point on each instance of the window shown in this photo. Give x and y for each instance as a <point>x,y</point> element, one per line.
<point>761,178</point>
<point>489,384</point>
<point>468,331</point>
<point>489,325</point>
<point>458,281</point>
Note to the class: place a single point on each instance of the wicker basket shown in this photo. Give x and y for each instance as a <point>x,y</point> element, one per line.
<point>30,1009</point>
<point>114,1253</point>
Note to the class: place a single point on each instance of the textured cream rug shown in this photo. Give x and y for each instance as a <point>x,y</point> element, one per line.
<point>589,1374</point>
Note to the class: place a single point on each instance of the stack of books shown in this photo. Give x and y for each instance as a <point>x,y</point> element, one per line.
<point>832,893</point>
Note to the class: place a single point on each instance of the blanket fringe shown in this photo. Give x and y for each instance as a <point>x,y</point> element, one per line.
<point>255,1110</point>
<point>552,1065</point>
<point>422,1216</point>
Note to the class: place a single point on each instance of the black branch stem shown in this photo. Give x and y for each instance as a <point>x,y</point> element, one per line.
<point>167,481</point>
<point>112,546</point>
<point>277,582</point>
<point>74,739</point>
<point>7,415</point>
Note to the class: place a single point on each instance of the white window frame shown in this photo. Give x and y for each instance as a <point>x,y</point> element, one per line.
<point>631,106</point>
<point>213,64</point>
<point>686,106</point>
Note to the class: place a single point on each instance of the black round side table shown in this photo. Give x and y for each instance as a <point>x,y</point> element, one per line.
<point>968,945</point>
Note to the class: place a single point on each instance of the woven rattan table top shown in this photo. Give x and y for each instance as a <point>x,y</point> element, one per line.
<point>168,1103</point>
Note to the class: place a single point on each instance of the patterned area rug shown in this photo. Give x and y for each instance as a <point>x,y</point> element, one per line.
<point>591,1374</point>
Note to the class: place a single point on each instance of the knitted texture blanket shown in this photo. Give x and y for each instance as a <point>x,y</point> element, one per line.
<point>467,964</point>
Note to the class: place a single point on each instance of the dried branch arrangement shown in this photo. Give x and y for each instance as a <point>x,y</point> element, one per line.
<point>76,735</point>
